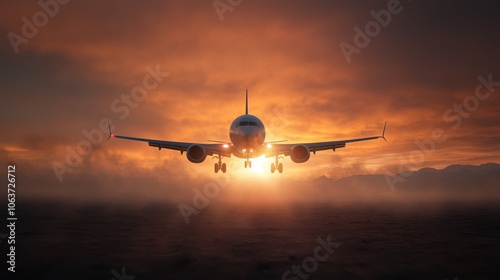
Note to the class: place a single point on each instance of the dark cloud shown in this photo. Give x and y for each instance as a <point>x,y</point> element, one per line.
<point>287,53</point>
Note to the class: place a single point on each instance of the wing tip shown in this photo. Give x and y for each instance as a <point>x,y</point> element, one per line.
<point>110,133</point>
<point>383,132</point>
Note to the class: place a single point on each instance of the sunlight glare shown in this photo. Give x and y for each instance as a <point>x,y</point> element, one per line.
<point>259,165</point>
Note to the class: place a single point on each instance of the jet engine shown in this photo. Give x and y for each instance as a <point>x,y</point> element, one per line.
<point>300,153</point>
<point>196,153</point>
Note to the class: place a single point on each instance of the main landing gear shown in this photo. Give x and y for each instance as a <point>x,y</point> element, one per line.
<point>219,166</point>
<point>277,165</point>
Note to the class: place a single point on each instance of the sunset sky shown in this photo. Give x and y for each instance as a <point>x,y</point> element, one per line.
<point>432,72</point>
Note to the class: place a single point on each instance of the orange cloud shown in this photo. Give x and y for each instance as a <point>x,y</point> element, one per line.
<point>91,53</point>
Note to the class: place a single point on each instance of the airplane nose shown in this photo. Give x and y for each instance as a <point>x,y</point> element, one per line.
<point>251,133</point>
<point>247,132</point>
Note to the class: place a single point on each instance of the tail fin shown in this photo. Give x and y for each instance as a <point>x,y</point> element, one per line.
<point>246,108</point>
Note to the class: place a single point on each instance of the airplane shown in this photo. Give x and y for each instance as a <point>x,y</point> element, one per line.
<point>247,140</point>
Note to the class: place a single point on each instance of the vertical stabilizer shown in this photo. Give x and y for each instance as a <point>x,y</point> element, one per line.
<point>246,108</point>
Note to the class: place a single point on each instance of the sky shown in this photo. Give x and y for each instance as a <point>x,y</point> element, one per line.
<point>315,71</point>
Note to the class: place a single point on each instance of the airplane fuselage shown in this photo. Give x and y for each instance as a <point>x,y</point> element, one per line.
<point>247,134</point>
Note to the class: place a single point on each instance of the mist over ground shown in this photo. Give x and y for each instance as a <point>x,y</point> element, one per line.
<point>435,224</point>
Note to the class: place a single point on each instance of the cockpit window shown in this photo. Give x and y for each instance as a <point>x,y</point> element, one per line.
<point>248,123</point>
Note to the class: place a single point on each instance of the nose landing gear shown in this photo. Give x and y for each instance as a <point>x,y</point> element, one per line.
<point>248,163</point>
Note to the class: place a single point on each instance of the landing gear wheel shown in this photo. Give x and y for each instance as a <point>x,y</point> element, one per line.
<point>219,165</point>
<point>277,165</point>
<point>246,163</point>
<point>249,164</point>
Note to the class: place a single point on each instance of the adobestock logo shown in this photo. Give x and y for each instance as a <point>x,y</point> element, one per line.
<point>310,264</point>
<point>372,29</point>
<point>39,19</point>
<point>221,7</point>
<point>95,137</point>
<point>454,116</point>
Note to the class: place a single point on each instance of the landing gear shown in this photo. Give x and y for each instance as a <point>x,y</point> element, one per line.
<point>277,165</point>
<point>219,166</point>
<point>248,164</point>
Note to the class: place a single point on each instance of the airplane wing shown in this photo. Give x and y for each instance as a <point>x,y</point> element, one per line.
<point>211,149</point>
<point>180,146</point>
<point>285,149</point>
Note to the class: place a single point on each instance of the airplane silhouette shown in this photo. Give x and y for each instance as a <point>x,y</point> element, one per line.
<point>247,140</point>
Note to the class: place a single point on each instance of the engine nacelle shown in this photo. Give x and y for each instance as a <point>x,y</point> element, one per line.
<point>196,153</point>
<point>300,153</point>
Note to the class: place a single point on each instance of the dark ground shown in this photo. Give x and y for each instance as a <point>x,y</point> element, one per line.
<point>153,242</point>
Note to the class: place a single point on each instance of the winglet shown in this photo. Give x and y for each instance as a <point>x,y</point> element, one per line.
<point>246,108</point>
<point>383,132</point>
<point>110,134</point>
